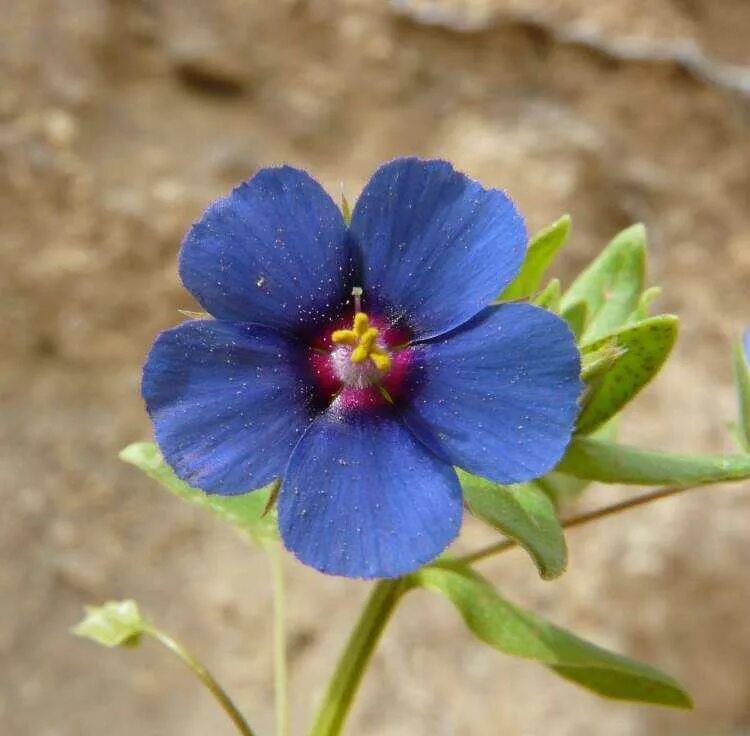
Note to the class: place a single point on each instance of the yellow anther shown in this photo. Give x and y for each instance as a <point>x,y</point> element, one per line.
<point>368,339</point>
<point>361,323</point>
<point>360,354</point>
<point>382,361</point>
<point>363,339</point>
<point>346,337</point>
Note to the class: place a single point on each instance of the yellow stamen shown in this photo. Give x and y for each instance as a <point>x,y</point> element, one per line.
<point>363,338</point>
<point>382,361</point>
<point>347,337</point>
<point>361,323</point>
<point>368,339</point>
<point>359,354</point>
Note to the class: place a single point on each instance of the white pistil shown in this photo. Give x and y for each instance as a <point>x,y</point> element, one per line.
<point>356,375</point>
<point>357,294</point>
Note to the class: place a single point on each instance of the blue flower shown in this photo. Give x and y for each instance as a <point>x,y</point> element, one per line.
<point>361,363</point>
<point>746,345</point>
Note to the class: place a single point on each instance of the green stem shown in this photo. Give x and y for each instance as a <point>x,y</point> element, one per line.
<point>205,677</point>
<point>579,520</point>
<point>382,602</point>
<point>279,640</point>
<point>354,659</point>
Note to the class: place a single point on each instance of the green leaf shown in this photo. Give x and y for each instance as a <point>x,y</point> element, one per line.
<point>549,297</point>
<point>630,357</point>
<point>643,310</point>
<point>595,363</point>
<point>522,512</point>
<point>563,488</point>
<point>742,379</point>
<point>247,512</point>
<point>116,623</point>
<point>576,315</point>
<point>611,286</point>
<point>539,255</point>
<point>520,633</point>
<point>608,462</point>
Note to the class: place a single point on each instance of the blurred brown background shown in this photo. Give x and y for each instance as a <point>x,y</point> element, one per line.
<point>120,120</point>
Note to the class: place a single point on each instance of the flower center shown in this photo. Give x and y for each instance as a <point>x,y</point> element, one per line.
<point>360,357</point>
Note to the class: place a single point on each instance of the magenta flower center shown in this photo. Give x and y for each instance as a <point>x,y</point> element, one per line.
<point>360,357</point>
<point>365,353</point>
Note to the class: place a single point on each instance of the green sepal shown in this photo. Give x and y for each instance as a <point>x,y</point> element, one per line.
<point>577,315</point>
<point>608,462</point>
<point>512,630</point>
<point>611,285</point>
<point>524,513</point>
<point>628,359</point>
<point>114,624</point>
<point>549,297</point>
<point>247,512</point>
<point>643,309</point>
<point>542,250</point>
<point>192,314</point>
<point>346,210</point>
<point>742,381</point>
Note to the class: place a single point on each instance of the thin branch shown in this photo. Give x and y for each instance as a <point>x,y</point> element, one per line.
<point>579,520</point>
<point>206,678</point>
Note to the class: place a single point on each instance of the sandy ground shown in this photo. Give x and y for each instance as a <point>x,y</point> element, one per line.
<point>120,120</point>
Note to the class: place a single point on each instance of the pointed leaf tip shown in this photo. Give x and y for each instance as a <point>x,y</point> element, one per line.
<point>542,250</point>
<point>515,631</point>
<point>647,298</point>
<point>576,315</point>
<point>612,284</point>
<point>549,297</point>
<point>346,210</point>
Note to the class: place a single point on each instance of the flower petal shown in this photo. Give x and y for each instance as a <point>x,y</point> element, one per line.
<point>434,246</point>
<point>500,395</point>
<point>362,497</point>
<point>228,401</point>
<point>273,252</point>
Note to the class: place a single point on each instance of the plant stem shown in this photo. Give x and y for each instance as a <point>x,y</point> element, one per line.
<point>578,520</point>
<point>382,601</point>
<point>279,640</point>
<point>355,657</point>
<point>206,678</point>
